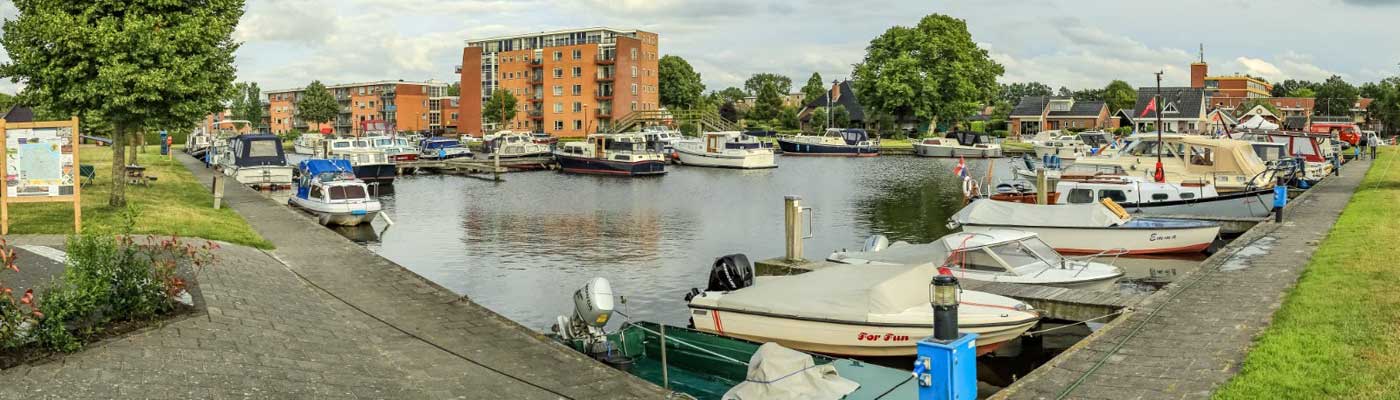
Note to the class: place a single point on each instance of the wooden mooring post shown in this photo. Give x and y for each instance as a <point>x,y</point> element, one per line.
<point>792,223</point>
<point>218,189</point>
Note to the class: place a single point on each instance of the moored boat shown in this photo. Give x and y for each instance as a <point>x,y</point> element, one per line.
<point>330,190</point>
<point>958,144</point>
<point>1090,228</point>
<point>508,144</point>
<point>371,165</point>
<point>833,142</point>
<point>611,154</point>
<point>1071,145</point>
<point>257,161</point>
<point>1231,165</point>
<point>847,310</point>
<point>441,148</point>
<point>725,150</point>
<point>307,143</point>
<point>1011,256</point>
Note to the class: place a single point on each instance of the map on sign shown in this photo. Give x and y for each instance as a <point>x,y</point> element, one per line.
<point>39,162</point>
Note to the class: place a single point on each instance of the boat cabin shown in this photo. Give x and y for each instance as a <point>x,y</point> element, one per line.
<point>1192,159</point>
<point>626,147</point>
<point>965,139</point>
<point>1311,147</point>
<point>257,150</point>
<point>329,181</point>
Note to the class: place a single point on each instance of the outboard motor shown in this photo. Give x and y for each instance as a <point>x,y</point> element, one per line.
<point>730,273</point>
<point>593,307</point>
<point>875,243</point>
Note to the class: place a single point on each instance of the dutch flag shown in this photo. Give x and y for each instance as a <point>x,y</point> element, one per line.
<point>961,169</point>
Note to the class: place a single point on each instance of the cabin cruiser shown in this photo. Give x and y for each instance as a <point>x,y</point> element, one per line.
<point>958,145</point>
<point>1002,255</point>
<point>847,310</point>
<point>725,150</point>
<point>611,154</point>
<point>1316,150</point>
<point>834,142</point>
<point>197,143</point>
<point>1089,228</point>
<point>1231,165</point>
<point>398,149</point>
<point>507,144</point>
<point>257,161</point>
<point>329,190</point>
<point>663,138</point>
<point>1142,197</point>
<point>371,164</point>
<point>308,143</point>
<point>211,143</point>
<point>441,148</point>
<point>1071,146</point>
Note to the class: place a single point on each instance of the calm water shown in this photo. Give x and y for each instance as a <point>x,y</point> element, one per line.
<point>521,247</point>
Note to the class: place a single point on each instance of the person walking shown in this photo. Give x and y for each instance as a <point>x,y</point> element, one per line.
<point>1361,151</point>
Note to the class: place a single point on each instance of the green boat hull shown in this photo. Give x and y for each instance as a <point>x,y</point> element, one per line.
<point>706,366</point>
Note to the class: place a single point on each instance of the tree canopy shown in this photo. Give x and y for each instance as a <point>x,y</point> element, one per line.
<point>1304,92</point>
<point>756,83</point>
<point>680,85</point>
<point>1012,93</point>
<point>317,105</point>
<point>731,94</point>
<point>1385,104</point>
<point>1119,95</point>
<point>1335,97</point>
<point>253,110</point>
<point>768,104</point>
<point>814,89</point>
<point>500,101</point>
<point>931,71</point>
<point>1282,89</point>
<point>133,62</point>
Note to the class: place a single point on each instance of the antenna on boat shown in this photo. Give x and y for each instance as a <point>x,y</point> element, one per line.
<point>1158,174</point>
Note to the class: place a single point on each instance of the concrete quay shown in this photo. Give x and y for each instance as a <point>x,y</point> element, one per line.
<point>321,317</point>
<point>1186,340</point>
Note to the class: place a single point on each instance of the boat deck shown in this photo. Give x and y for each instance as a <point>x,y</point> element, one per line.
<point>468,166</point>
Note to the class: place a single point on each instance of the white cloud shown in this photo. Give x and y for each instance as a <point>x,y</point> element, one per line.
<point>299,21</point>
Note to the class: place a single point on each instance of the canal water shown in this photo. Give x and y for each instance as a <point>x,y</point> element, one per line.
<point>523,246</point>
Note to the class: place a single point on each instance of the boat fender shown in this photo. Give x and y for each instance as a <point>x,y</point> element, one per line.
<point>730,273</point>
<point>969,187</point>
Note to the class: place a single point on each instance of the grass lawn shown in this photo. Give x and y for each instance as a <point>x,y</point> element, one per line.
<point>175,204</point>
<point>896,144</point>
<point>1021,146</point>
<point>1338,333</point>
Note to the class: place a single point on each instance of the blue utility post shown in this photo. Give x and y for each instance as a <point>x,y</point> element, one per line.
<point>164,144</point>
<point>946,367</point>
<point>1280,199</point>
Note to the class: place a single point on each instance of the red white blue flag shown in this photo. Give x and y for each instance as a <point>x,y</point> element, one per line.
<point>961,169</point>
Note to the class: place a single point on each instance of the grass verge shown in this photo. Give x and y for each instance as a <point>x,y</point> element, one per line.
<point>175,204</point>
<point>1338,333</point>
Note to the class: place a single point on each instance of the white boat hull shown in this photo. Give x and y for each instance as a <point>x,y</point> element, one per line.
<point>747,160</point>
<point>1063,152</point>
<point>299,148</point>
<point>344,214</point>
<point>261,175</point>
<point>1133,240</point>
<point>841,338</point>
<point>925,150</point>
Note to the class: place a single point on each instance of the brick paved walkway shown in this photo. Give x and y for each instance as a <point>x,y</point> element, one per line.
<point>268,333</point>
<point>1207,320</point>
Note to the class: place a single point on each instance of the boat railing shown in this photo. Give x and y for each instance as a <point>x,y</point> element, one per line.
<point>1085,260</point>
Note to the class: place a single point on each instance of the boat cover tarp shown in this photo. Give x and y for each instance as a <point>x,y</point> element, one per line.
<point>966,138</point>
<point>840,292</point>
<point>316,166</point>
<point>780,373</point>
<point>259,150</point>
<point>1005,213</point>
<point>854,136</point>
<point>937,251</point>
<point>1257,123</point>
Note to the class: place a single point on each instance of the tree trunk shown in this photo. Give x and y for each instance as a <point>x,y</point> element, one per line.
<point>132,144</point>
<point>118,195</point>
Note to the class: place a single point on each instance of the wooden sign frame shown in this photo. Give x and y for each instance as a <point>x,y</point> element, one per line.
<point>75,198</point>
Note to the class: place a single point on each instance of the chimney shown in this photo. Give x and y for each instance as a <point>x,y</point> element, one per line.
<point>1198,74</point>
<point>835,92</point>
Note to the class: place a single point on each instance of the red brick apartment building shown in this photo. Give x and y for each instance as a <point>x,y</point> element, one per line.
<point>567,83</point>
<point>405,106</point>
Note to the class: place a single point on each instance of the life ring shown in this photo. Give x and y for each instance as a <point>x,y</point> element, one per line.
<point>969,187</point>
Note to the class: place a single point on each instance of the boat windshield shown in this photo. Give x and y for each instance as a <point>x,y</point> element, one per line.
<point>346,192</point>
<point>1028,253</point>
<point>262,148</point>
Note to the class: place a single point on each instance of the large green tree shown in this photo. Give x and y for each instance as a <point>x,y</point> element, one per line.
<point>731,94</point>
<point>1012,93</point>
<point>317,104</point>
<point>499,107</point>
<point>252,104</point>
<point>1303,92</point>
<point>757,82</point>
<point>1335,97</point>
<point>768,104</point>
<point>679,84</point>
<point>1282,89</point>
<point>814,89</point>
<point>1385,104</point>
<point>238,100</point>
<point>1119,95</point>
<point>134,62</point>
<point>932,71</point>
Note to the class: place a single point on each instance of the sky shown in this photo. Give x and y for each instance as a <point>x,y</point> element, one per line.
<point>1071,43</point>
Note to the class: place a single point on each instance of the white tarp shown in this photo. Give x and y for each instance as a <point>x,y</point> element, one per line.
<point>1258,123</point>
<point>1005,213</point>
<point>840,292</point>
<point>780,373</point>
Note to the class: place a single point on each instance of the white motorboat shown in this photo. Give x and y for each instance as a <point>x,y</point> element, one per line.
<point>1316,150</point>
<point>329,190</point>
<point>198,142</point>
<point>508,144</point>
<point>662,138</point>
<point>627,154</point>
<point>1090,228</point>
<point>725,150</point>
<point>834,142</point>
<point>1011,256</point>
<point>257,161</point>
<point>958,144</point>
<point>1071,146</point>
<point>1231,165</point>
<point>849,310</point>
<point>371,164</point>
<point>307,143</point>
<point>441,148</point>
<point>397,148</point>
<point>1144,197</point>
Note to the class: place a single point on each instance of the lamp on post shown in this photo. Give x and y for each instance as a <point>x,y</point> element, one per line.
<point>943,294</point>
<point>945,366</point>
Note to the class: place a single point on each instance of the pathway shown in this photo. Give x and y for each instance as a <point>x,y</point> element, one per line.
<point>1185,341</point>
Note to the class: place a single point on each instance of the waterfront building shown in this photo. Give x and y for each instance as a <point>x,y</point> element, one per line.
<point>567,83</point>
<point>402,105</point>
<point>1048,113</point>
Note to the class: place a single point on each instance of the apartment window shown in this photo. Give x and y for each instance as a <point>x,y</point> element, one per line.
<point>578,107</point>
<point>559,125</point>
<point>634,106</point>
<point>578,71</point>
<point>558,90</point>
<point>634,88</point>
<point>634,71</point>
<point>558,72</point>
<point>578,54</point>
<point>454,116</point>
<point>558,55</point>
<point>558,108</point>
<point>634,54</point>
<point>578,124</point>
<point>371,104</point>
<point>578,90</point>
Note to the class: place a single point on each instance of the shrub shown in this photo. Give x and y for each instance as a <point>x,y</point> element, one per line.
<point>689,129</point>
<point>17,316</point>
<point>1124,131</point>
<point>1000,134</point>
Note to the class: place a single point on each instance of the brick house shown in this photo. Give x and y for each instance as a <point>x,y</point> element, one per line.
<point>1045,113</point>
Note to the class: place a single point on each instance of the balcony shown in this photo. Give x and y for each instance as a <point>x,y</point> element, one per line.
<point>536,78</point>
<point>459,68</point>
<point>603,94</point>
<point>536,114</point>
<point>604,59</point>
<point>537,99</point>
<point>604,113</point>
<point>536,62</point>
<point>606,77</point>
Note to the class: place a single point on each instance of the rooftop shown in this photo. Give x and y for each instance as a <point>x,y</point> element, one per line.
<point>558,32</point>
<point>359,84</point>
